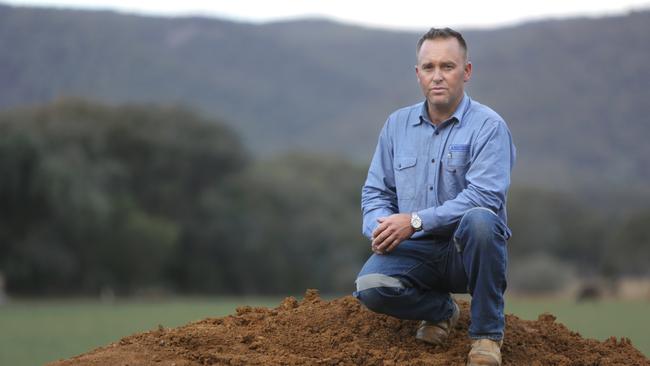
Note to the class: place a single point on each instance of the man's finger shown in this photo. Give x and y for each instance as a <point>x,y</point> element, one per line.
<point>381,227</point>
<point>380,234</point>
<point>386,241</point>
<point>380,244</point>
<point>393,245</point>
<point>381,237</point>
<point>375,250</point>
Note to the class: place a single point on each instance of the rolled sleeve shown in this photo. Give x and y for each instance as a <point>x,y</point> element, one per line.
<point>378,196</point>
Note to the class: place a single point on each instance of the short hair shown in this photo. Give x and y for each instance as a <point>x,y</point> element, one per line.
<point>444,33</point>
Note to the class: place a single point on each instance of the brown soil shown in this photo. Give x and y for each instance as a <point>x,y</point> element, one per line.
<point>342,332</point>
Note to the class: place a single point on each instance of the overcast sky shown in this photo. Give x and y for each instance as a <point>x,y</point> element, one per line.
<point>402,14</point>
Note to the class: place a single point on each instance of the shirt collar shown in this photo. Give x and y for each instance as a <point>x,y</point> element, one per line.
<point>457,115</point>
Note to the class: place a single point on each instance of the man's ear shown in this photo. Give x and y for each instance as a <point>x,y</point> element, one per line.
<point>468,71</point>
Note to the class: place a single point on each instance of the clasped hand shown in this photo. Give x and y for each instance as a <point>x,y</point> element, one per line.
<point>392,230</point>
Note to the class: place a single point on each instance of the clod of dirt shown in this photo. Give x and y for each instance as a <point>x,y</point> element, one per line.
<point>342,332</point>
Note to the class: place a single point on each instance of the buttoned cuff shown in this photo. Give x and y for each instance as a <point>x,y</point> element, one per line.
<point>428,218</point>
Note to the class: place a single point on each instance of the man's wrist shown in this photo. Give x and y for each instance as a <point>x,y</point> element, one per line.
<point>416,222</point>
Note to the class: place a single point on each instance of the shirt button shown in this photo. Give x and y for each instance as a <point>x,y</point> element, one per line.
<point>431,188</point>
<point>433,160</point>
<point>436,132</point>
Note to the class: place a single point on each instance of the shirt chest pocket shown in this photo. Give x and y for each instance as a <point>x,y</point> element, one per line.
<point>457,160</point>
<point>405,176</point>
<point>456,164</point>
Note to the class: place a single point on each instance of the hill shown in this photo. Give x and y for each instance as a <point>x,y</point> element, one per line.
<point>573,91</point>
<point>342,332</point>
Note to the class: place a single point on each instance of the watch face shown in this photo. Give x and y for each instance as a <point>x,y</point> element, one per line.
<point>416,222</point>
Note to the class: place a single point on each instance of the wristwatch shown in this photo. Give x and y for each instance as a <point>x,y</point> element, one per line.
<point>416,222</point>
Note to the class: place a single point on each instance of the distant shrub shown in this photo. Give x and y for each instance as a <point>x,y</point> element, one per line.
<point>540,274</point>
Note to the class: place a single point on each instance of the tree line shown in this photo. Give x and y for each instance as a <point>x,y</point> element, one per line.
<point>138,197</point>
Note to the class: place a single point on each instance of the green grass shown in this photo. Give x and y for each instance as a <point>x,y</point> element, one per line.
<point>36,332</point>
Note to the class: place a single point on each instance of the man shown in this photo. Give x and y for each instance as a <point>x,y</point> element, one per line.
<point>434,206</point>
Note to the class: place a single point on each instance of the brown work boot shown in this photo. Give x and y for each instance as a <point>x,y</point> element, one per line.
<point>485,352</point>
<point>436,333</point>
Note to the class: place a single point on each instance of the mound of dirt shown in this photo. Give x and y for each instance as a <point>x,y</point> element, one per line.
<point>342,332</point>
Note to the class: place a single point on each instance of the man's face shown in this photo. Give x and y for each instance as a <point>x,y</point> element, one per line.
<point>442,71</point>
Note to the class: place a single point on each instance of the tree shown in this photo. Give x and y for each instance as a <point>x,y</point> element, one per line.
<point>95,196</point>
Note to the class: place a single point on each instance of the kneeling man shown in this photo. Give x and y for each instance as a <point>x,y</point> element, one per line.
<point>434,206</point>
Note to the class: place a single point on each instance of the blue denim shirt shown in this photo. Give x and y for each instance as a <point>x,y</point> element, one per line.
<point>439,172</point>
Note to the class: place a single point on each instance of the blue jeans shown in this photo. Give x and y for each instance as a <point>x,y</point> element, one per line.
<point>415,280</point>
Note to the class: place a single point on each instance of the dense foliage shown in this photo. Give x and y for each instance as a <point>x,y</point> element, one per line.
<point>96,197</point>
<point>134,198</point>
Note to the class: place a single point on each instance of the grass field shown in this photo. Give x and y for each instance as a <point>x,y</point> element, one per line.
<point>36,332</point>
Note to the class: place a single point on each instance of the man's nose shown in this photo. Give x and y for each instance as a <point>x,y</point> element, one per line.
<point>437,75</point>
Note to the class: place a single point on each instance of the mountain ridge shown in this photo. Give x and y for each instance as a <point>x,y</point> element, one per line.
<point>564,86</point>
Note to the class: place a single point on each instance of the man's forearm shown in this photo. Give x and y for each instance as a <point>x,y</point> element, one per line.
<point>443,218</point>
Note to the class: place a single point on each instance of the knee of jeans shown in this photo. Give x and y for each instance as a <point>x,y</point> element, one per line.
<point>375,298</point>
<point>480,222</point>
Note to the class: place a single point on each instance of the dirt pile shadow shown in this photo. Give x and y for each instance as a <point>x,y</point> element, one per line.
<point>342,332</point>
